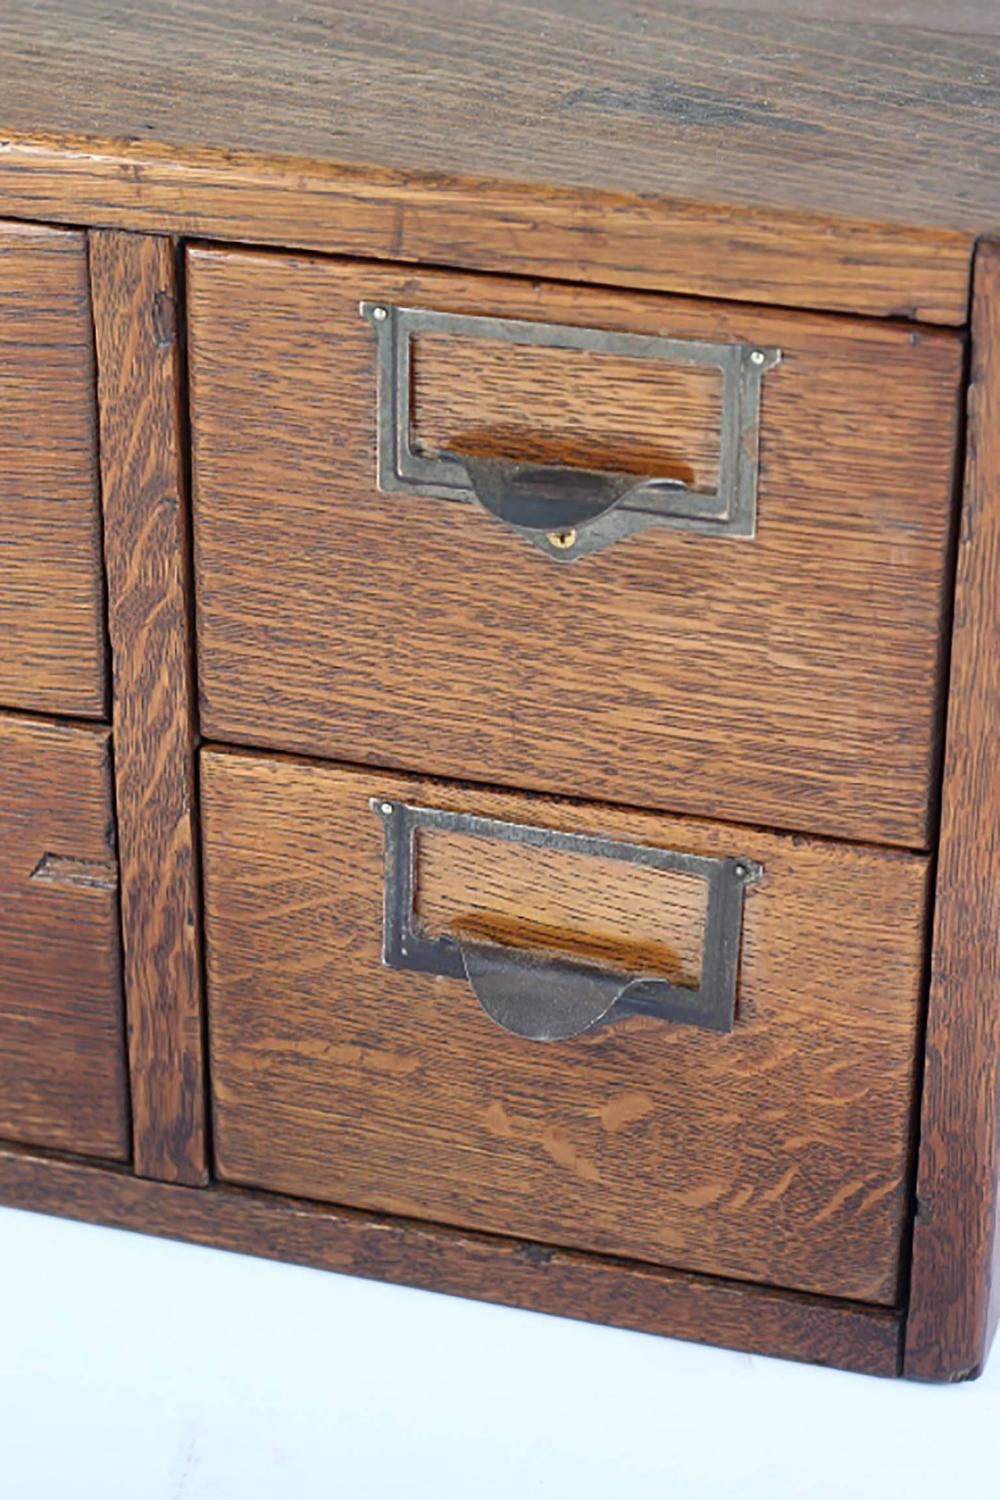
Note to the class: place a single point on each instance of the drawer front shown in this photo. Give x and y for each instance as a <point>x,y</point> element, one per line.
<point>774,1148</point>
<point>51,625</point>
<point>789,678</point>
<point>62,1062</point>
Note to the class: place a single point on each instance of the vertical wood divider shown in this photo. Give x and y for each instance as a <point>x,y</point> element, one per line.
<point>140,394</point>
<point>954,1283</point>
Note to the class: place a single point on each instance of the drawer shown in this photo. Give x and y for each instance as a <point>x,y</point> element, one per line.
<point>62,1058</point>
<point>378,976</point>
<point>51,625</point>
<point>789,678</point>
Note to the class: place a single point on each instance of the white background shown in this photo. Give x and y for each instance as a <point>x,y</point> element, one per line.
<point>148,1370</point>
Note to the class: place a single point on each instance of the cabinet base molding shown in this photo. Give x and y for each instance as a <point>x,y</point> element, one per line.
<point>489,1268</point>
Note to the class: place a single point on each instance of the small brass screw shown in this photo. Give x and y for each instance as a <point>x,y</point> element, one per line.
<point>562,539</point>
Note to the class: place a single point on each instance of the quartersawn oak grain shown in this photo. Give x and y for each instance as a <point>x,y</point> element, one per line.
<point>139,377</point>
<point>62,1030</point>
<point>564,406</point>
<point>629,918</point>
<point>51,611</point>
<point>792,680</point>
<point>955,1279</point>
<point>827,160</point>
<point>488,1267</point>
<point>816,158</point>
<point>778,1153</point>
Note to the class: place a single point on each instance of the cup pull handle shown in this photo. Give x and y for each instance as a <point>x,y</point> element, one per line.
<point>557,503</point>
<point>547,998</point>
<point>541,998</point>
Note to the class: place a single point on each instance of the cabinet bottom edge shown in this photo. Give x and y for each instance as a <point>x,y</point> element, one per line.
<point>489,1268</point>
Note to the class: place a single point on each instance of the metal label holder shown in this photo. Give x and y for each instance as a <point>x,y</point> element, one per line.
<point>591,509</point>
<point>546,998</point>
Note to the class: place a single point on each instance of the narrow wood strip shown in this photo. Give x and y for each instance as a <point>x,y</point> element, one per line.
<point>487,1267</point>
<point>139,385</point>
<point>955,1281</point>
<point>700,249</point>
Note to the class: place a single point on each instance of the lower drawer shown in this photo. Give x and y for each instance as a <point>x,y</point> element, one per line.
<point>62,1035</point>
<point>769,1141</point>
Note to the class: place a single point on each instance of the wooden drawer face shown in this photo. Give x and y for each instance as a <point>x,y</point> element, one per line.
<point>62,1060</point>
<point>791,679</point>
<point>776,1152</point>
<point>51,607</point>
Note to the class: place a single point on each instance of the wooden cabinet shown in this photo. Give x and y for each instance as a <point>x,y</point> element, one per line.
<point>62,1029</point>
<point>51,586</point>
<point>532,818</point>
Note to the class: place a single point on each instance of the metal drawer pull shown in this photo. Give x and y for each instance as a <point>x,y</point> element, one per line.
<point>570,512</point>
<point>542,997</point>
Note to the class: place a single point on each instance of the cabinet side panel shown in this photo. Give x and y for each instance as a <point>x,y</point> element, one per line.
<point>953,1306</point>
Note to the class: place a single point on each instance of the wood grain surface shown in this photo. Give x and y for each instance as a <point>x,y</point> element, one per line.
<point>629,918</point>
<point>827,159</point>
<point>51,610</point>
<point>488,1267</point>
<point>792,680</point>
<point>62,1030</point>
<point>136,316</point>
<point>565,406</point>
<point>777,1153</point>
<point>955,1291</point>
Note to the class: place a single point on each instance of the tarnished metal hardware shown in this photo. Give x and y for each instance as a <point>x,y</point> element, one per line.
<point>569,512</point>
<point>546,998</point>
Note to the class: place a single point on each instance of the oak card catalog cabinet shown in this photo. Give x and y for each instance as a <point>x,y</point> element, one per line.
<point>500,653</point>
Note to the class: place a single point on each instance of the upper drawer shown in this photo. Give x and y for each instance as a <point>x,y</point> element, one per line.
<point>51,628</point>
<point>62,1033</point>
<point>788,678</point>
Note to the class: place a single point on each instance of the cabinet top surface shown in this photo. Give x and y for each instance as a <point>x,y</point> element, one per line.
<point>802,106</point>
